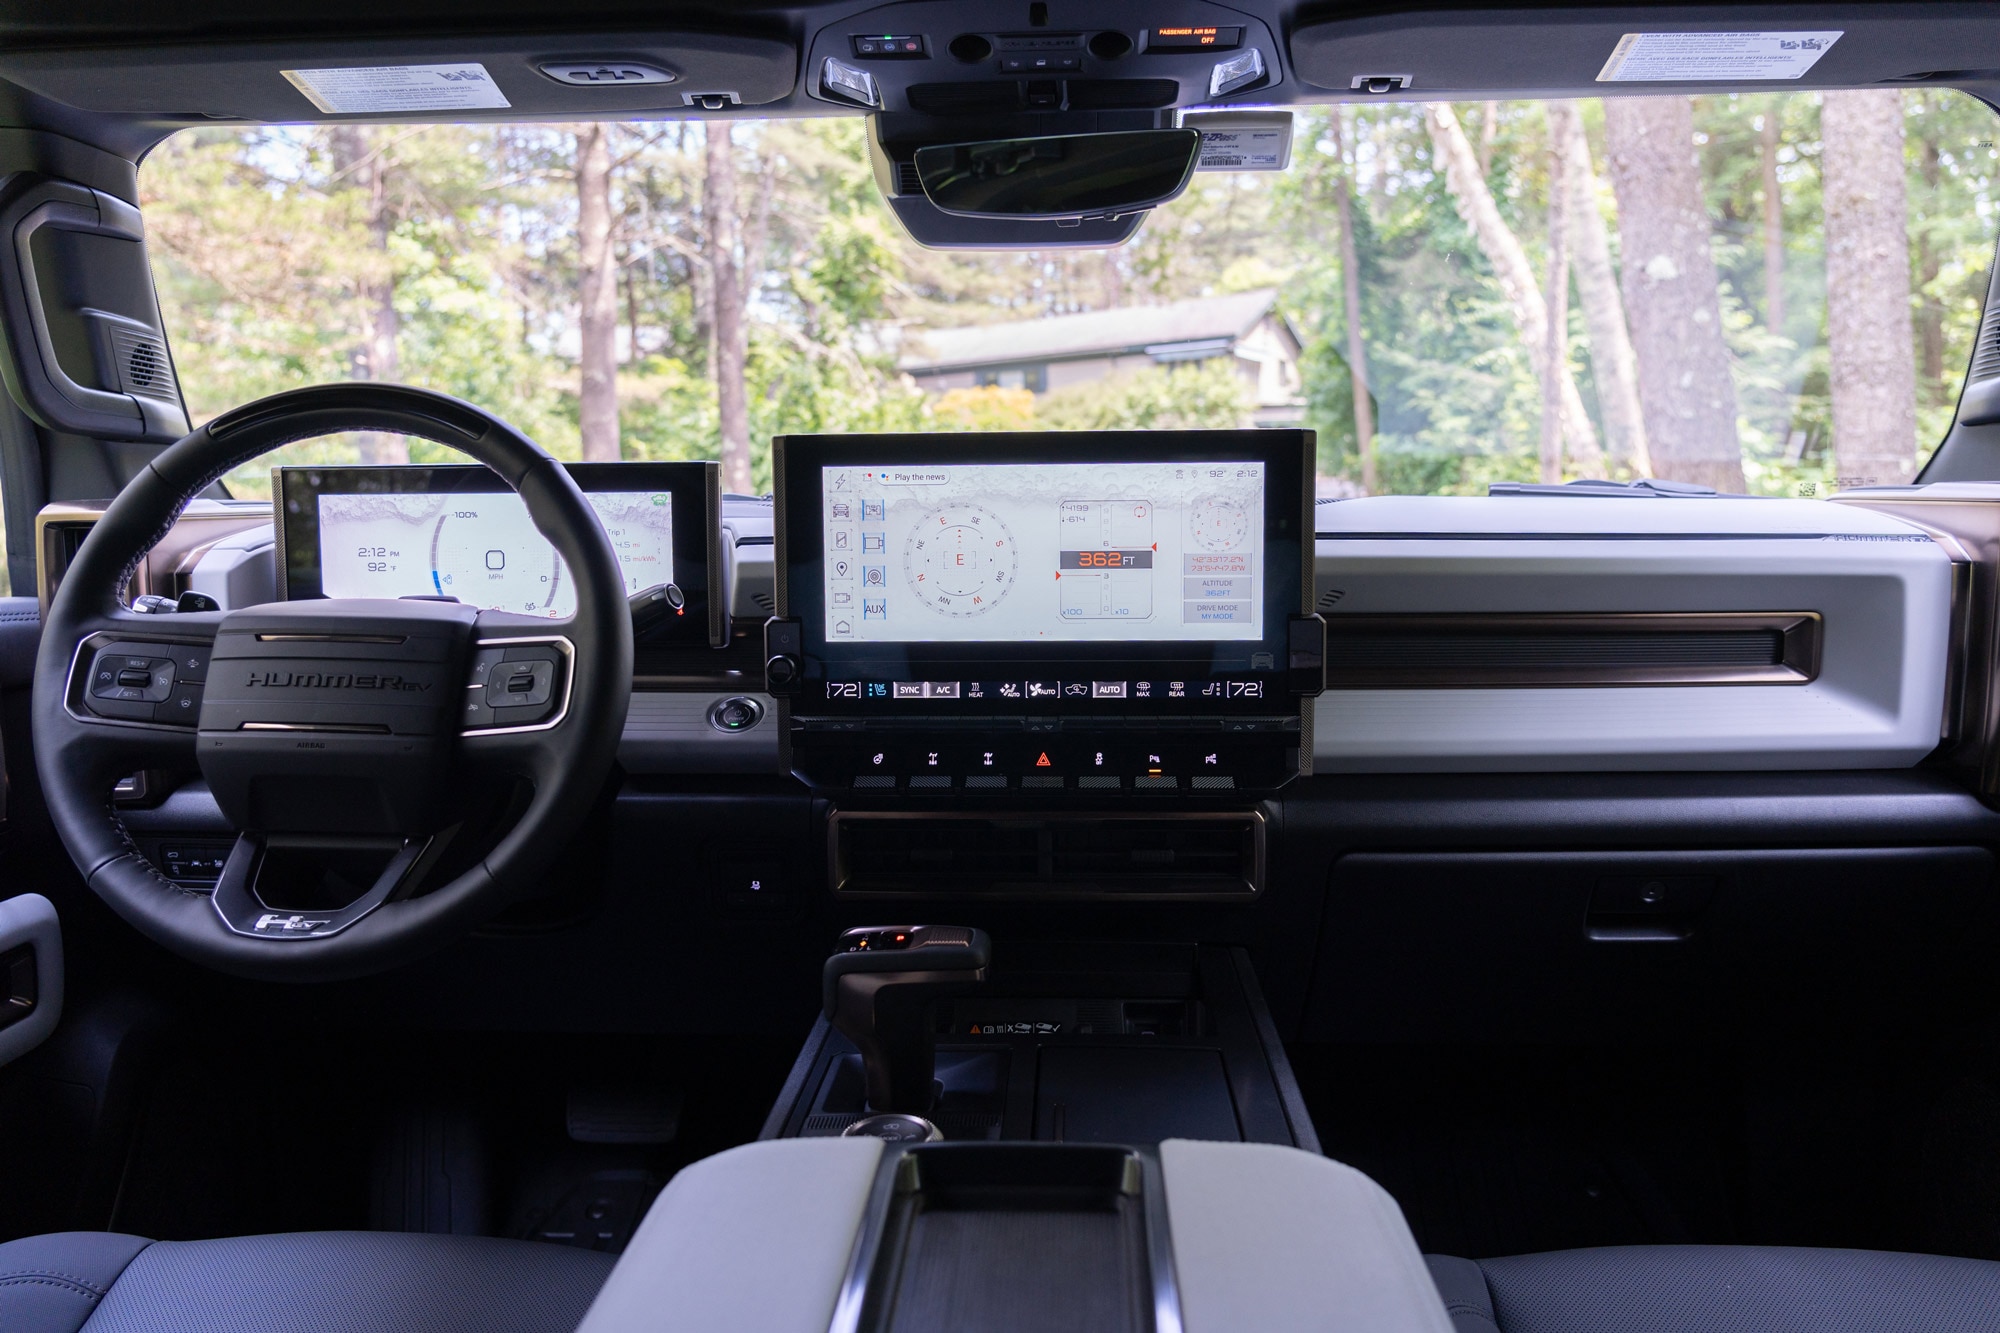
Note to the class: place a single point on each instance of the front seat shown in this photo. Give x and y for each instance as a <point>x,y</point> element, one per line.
<point>308,1282</point>
<point>1719,1289</point>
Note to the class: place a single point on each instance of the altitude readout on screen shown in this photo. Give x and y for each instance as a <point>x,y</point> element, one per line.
<point>481,548</point>
<point>1019,552</point>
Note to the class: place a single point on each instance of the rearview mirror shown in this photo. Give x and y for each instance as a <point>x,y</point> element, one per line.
<point>1060,176</point>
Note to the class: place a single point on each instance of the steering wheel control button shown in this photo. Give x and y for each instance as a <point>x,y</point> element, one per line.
<point>483,663</point>
<point>521,684</point>
<point>182,707</point>
<point>191,664</point>
<point>127,680</point>
<point>735,714</point>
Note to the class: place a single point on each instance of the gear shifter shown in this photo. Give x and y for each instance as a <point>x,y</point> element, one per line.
<point>878,990</point>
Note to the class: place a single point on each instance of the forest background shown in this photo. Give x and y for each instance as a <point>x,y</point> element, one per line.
<point>1802,293</point>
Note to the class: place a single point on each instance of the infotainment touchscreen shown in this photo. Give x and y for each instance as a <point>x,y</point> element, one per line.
<point>1107,611</point>
<point>1053,552</point>
<point>460,532</point>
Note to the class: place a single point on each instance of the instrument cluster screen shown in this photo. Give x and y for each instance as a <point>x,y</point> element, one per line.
<point>459,531</point>
<point>1044,553</point>
<point>481,549</point>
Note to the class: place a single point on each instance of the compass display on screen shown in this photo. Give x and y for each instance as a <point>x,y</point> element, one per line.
<point>1218,524</point>
<point>960,560</point>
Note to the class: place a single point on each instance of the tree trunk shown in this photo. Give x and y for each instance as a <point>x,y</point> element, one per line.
<point>374,355</point>
<point>1350,284</point>
<point>1515,273</point>
<point>598,320</point>
<point>1930,310</point>
<point>1555,349</point>
<point>1597,292</point>
<point>1871,358</point>
<point>1774,224</point>
<point>732,349</point>
<point>1671,295</point>
<point>631,316</point>
<point>1489,134</point>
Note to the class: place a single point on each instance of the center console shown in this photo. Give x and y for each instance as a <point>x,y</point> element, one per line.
<point>1117,613</point>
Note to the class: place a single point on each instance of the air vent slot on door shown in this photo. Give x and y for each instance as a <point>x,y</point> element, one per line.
<point>1526,651</point>
<point>1198,854</point>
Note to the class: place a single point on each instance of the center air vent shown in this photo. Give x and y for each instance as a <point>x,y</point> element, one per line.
<point>1412,652</point>
<point>1198,854</point>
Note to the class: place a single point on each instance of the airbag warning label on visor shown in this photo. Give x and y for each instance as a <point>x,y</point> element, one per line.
<point>379,88</point>
<point>1714,57</point>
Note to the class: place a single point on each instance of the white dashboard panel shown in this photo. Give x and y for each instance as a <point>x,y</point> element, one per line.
<point>1882,589</point>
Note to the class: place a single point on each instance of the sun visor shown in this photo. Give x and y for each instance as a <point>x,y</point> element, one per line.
<point>1471,54</point>
<point>511,77</point>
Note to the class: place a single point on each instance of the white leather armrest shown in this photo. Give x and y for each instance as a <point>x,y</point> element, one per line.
<point>1276,1240</point>
<point>753,1240</point>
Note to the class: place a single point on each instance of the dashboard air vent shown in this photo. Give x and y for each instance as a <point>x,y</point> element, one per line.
<point>907,180</point>
<point>1552,651</point>
<point>1196,854</point>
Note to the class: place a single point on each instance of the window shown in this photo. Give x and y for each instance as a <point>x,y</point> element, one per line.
<point>1810,331</point>
<point>1035,379</point>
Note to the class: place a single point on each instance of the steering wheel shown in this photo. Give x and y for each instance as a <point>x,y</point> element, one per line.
<point>344,732</point>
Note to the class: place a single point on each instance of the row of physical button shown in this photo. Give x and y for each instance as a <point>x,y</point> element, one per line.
<point>921,782</point>
<point>1079,725</point>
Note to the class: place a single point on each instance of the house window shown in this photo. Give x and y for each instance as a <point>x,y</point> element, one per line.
<point>1033,378</point>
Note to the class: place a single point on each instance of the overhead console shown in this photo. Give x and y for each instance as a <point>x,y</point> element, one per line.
<point>942,58</point>
<point>459,532</point>
<point>945,73</point>
<point>1115,612</point>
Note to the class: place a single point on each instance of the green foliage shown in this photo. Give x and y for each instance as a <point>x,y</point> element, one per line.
<point>1173,397</point>
<point>269,243</point>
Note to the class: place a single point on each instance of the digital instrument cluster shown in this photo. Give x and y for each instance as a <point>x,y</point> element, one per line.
<point>460,532</point>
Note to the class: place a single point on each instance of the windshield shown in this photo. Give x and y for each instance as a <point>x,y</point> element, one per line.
<point>1772,293</point>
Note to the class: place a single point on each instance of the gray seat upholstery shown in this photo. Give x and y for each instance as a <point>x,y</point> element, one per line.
<point>1719,1289</point>
<point>310,1282</point>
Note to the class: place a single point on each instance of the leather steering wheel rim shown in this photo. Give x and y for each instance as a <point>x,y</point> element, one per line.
<point>567,762</point>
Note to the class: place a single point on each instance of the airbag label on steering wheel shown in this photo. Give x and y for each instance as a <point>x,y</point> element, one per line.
<point>379,88</point>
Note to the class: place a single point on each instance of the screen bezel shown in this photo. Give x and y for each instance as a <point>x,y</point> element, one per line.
<point>1288,458</point>
<point>696,488</point>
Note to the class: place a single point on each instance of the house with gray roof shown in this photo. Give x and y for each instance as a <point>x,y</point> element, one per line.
<point>1059,351</point>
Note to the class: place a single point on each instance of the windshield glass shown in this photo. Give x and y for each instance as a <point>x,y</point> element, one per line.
<point>1773,293</point>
